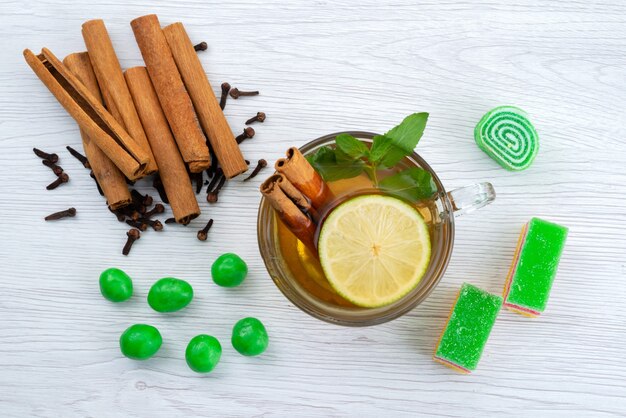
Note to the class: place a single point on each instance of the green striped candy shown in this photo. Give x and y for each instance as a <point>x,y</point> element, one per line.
<point>506,135</point>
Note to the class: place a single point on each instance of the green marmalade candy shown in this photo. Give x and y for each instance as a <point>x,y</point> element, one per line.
<point>534,267</point>
<point>468,328</point>
<point>115,285</point>
<point>170,295</point>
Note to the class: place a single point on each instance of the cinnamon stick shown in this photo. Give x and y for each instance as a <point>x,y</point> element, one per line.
<point>296,197</point>
<point>171,166</point>
<point>113,86</point>
<point>206,104</point>
<point>91,116</point>
<point>297,222</point>
<point>109,178</point>
<point>170,90</point>
<point>304,177</point>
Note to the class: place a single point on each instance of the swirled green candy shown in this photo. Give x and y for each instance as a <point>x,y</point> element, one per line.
<point>507,135</point>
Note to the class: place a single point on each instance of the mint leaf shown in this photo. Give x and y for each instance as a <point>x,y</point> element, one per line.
<point>405,137</point>
<point>412,184</point>
<point>351,146</point>
<point>380,146</point>
<point>326,164</point>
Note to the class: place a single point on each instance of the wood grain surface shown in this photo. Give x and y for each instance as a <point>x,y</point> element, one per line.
<point>325,66</point>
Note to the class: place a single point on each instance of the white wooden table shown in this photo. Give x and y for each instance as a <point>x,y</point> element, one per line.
<point>326,66</point>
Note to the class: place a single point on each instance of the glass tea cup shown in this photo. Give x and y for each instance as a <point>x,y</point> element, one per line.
<point>443,208</point>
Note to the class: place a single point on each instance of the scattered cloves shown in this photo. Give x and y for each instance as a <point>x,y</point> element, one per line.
<point>216,178</point>
<point>247,133</point>
<point>80,157</point>
<point>211,197</point>
<point>63,178</point>
<point>142,226</point>
<point>170,221</point>
<point>261,164</point>
<point>202,46</point>
<point>225,90</point>
<point>154,224</point>
<point>203,233</point>
<point>133,235</point>
<point>71,212</point>
<point>53,158</point>
<point>260,117</point>
<point>235,93</point>
<point>52,166</point>
<point>157,209</point>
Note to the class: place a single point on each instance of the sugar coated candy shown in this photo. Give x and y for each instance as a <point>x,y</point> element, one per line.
<point>534,267</point>
<point>506,135</point>
<point>467,330</point>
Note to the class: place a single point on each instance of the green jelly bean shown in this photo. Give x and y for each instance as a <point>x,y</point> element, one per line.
<point>140,341</point>
<point>115,285</point>
<point>229,270</point>
<point>203,353</point>
<point>249,337</point>
<point>170,295</point>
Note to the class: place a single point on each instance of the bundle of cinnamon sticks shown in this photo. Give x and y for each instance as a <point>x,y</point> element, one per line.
<point>297,193</point>
<point>159,118</point>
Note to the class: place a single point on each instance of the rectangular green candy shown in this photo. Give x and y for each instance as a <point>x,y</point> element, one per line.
<point>534,267</point>
<point>468,328</point>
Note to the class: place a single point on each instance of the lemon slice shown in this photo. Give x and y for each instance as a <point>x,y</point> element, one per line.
<point>374,249</point>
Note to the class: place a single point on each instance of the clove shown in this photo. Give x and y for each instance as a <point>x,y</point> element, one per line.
<point>53,158</point>
<point>202,46</point>
<point>170,221</point>
<point>236,93</point>
<point>198,180</point>
<point>225,90</point>
<point>154,224</point>
<point>133,235</point>
<point>80,157</point>
<point>142,226</point>
<point>216,178</point>
<point>260,117</point>
<point>67,213</point>
<point>93,176</point>
<point>203,233</point>
<point>118,214</point>
<point>158,185</point>
<point>247,133</point>
<point>157,209</point>
<point>63,178</point>
<point>211,197</point>
<point>52,166</point>
<point>139,199</point>
<point>261,164</point>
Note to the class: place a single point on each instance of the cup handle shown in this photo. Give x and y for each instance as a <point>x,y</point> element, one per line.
<point>469,198</point>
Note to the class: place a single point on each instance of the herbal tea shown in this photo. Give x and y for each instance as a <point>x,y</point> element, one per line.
<point>304,262</point>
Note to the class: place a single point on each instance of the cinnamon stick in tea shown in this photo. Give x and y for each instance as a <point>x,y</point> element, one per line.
<point>304,177</point>
<point>297,222</point>
<point>206,104</point>
<point>108,176</point>
<point>294,194</point>
<point>113,86</point>
<point>90,114</point>
<point>171,166</point>
<point>170,89</point>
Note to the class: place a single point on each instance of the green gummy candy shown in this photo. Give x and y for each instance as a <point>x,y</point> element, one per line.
<point>507,135</point>
<point>170,295</point>
<point>534,267</point>
<point>468,328</point>
<point>249,337</point>
<point>203,353</point>
<point>140,341</point>
<point>115,285</point>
